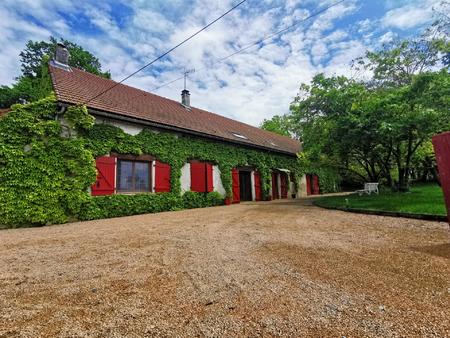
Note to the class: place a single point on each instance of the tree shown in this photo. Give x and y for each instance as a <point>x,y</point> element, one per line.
<point>27,89</point>
<point>439,32</point>
<point>31,57</point>
<point>368,131</point>
<point>413,114</point>
<point>396,63</point>
<point>34,82</point>
<point>338,125</point>
<point>279,124</point>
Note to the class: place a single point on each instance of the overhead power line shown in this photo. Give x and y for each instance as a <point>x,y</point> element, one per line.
<point>164,54</point>
<point>256,42</point>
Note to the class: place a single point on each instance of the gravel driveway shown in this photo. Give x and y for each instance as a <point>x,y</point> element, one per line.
<point>270,269</point>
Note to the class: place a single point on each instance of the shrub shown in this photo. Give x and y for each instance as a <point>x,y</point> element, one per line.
<point>193,200</point>
<point>126,205</point>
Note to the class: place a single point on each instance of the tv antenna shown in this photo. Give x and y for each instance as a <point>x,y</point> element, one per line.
<point>186,73</point>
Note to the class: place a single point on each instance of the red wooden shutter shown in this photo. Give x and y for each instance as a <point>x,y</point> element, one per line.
<point>198,177</point>
<point>257,176</point>
<point>316,187</point>
<point>236,188</point>
<point>284,185</point>
<point>106,176</point>
<point>209,177</point>
<point>162,177</point>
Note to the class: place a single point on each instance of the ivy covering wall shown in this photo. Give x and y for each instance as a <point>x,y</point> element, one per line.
<point>103,139</point>
<point>44,176</point>
<point>46,167</point>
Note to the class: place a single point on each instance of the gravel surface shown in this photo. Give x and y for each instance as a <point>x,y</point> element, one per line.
<point>271,269</point>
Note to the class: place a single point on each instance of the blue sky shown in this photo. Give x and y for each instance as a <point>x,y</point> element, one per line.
<point>248,87</point>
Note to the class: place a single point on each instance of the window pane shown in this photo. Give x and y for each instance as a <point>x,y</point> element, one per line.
<point>141,176</point>
<point>125,175</point>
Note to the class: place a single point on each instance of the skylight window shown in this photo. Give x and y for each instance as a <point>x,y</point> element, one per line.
<point>240,136</point>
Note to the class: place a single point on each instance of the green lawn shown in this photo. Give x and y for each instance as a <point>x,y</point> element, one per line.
<point>422,199</point>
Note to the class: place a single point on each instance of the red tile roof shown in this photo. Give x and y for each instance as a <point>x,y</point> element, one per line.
<point>77,86</point>
<point>4,111</point>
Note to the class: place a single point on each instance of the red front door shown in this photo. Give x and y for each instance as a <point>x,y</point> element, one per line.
<point>316,188</point>
<point>275,194</point>
<point>258,195</point>
<point>236,188</point>
<point>308,185</point>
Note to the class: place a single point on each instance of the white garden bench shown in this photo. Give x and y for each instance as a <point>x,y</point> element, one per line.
<point>368,189</point>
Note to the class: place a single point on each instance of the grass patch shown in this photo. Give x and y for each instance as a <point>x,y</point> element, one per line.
<point>427,199</point>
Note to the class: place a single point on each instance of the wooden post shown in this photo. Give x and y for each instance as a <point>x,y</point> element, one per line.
<point>441,145</point>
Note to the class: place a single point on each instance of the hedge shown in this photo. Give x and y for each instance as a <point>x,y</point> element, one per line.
<point>128,205</point>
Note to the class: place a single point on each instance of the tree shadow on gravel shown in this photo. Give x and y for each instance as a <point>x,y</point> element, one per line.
<point>441,250</point>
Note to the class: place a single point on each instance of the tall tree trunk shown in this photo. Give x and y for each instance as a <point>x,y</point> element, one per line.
<point>388,177</point>
<point>403,179</point>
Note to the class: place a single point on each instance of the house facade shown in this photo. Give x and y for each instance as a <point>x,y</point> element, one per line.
<point>261,165</point>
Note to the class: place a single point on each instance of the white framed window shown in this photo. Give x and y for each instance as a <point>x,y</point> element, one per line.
<point>133,176</point>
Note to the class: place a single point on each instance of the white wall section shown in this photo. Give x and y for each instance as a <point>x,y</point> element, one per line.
<point>217,181</point>
<point>186,178</point>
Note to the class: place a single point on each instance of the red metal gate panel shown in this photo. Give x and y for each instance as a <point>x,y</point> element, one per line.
<point>162,177</point>
<point>441,145</point>
<point>284,185</point>
<point>275,194</point>
<point>106,176</point>
<point>316,187</point>
<point>258,195</point>
<point>209,177</point>
<point>198,177</point>
<point>236,188</point>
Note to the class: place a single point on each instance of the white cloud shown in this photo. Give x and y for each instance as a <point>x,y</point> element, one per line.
<point>250,86</point>
<point>387,38</point>
<point>406,17</point>
<point>410,13</point>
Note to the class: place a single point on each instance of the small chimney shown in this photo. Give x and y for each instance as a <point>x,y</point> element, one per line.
<point>185,98</point>
<point>62,54</point>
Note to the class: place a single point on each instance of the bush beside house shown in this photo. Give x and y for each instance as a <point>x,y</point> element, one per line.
<point>127,205</point>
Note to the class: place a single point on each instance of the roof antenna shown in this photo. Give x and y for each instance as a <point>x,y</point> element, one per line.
<point>186,73</point>
<point>185,96</point>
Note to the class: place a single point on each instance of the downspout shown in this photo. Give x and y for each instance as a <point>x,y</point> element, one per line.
<point>58,117</point>
<point>60,111</point>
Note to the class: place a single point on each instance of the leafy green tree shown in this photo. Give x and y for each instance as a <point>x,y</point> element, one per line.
<point>439,32</point>
<point>368,131</point>
<point>279,124</point>
<point>338,129</point>
<point>413,114</point>
<point>396,63</point>
<point>35,82</point>
<point>32,56</point>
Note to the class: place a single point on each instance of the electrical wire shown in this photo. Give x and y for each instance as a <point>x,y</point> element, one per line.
<point>164,54</point>
<point>256,43</point>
